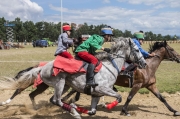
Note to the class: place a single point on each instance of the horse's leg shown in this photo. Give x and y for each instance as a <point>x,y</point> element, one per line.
<point>94,102</point>
<point>109,92</point>
<point>104,91</point>
<point>156,92</point>
<point>66,88</point>
<point>72,100</point>
<point>40,88</point>
<point>59,87</point>
<point>17,91</point>
<point>133,91</point>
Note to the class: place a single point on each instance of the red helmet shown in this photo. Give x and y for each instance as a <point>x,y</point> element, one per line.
<point>66,28</point>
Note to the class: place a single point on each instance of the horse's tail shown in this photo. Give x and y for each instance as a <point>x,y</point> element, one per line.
<point>23,71</point>
<point>26,79</point>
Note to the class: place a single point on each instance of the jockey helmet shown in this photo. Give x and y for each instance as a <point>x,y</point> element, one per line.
<point>66,28</point>
<point>139,35</point>
<point>107,31</point>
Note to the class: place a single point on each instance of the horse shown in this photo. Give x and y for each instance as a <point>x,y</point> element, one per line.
<point>39,88</point>
<point>144,78</point>
<point>123,49</point>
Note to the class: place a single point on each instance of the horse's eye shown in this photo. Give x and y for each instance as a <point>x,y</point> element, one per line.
<point>137,50</point>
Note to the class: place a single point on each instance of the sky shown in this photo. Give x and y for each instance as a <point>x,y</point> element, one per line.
<point>158,16</point>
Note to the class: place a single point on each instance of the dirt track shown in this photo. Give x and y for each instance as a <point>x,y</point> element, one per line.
<point>145,106</point>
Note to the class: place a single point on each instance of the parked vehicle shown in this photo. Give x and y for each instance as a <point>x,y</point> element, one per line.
<point>50,43</point>
<point>40,43</point>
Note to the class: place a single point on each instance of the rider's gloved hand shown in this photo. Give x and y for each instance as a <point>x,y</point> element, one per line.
<point>152,54</point>
<point>107,50</point>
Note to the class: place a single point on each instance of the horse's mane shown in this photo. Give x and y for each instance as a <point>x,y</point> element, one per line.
<point>155,46</point>
<point>119,43</point>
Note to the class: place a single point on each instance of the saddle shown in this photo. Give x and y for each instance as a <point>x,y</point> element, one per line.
<point>127,75</point>
<point>71,66</point>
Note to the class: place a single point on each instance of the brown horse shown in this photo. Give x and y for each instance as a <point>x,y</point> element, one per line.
<point>145,78</point>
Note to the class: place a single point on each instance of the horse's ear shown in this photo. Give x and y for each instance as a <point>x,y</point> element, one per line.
<point>130,41</point>
<point>165,43</point>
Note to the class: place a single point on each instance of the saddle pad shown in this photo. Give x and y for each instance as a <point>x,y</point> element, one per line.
<point>71,66</point>
<point>98,67</point>
<point>38,80</point>
<point>67,65</point>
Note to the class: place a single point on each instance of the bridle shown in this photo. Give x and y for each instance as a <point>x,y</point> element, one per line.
<point>172,56</point>
<point>117,55</point>
<point>133,52</point>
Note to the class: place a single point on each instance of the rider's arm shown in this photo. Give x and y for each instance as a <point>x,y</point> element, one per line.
<point>144,53</point>
<point>65,39</point>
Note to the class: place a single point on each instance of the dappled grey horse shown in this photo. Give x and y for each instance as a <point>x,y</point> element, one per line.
<point>122,50</point>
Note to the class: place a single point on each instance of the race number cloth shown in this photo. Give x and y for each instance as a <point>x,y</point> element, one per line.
<point>38,81</point>
<point>71,66</point>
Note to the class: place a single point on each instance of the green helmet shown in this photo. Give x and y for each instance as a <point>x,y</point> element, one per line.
<point>139,35</point>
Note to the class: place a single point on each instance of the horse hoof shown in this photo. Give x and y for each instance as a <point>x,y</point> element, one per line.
<point>2,103</point>
<point>128,115</point>
<point>122,113</point>
<point>75,114</point>
<point>35,107</point>
<point>177,114</point>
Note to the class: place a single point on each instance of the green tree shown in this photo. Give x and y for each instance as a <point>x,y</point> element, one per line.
<point>159,37</point>
<point>30,31</point>
<point>2,29</point>
<point>117,33</point>
<point>167,37</point>
<point>127,34</point>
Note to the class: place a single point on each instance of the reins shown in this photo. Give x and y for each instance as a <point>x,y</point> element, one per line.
<point>170,54</point>
<point>132,49</point>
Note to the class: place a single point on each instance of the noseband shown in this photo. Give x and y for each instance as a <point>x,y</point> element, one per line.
<point>172,57</point>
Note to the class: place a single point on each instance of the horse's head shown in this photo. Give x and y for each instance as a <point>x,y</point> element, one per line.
<point>169,52</point>
<point>135,54</point>
<point>131,51</point>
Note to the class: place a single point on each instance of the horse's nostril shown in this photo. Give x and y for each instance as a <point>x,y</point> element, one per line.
<point>178,61</point>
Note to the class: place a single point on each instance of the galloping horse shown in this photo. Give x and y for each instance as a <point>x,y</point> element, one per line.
<point>41,87</point>
<point>144,78</point>
<point>123,49</point>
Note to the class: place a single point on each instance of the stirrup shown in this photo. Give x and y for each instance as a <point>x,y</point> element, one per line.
<point>126,73</point>
<point>88,85</point>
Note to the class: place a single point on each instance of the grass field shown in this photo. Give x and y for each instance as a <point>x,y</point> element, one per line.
<point>14,60</point>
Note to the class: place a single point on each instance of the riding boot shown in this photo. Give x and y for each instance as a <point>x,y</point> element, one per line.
<point>90,76</point>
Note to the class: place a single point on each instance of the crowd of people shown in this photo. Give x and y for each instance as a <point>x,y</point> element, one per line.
<point>4,45</point>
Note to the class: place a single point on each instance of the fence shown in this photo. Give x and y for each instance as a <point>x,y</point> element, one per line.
<point>146,42</point>
<point>149,42</point>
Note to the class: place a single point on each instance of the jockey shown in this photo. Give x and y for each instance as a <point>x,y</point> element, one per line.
<point>138,40</point>
<point>64,42</point>
<point>87,49</point>
<point>78,41</point>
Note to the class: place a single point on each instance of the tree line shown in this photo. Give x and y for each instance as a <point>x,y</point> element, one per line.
<point>29,31</point>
